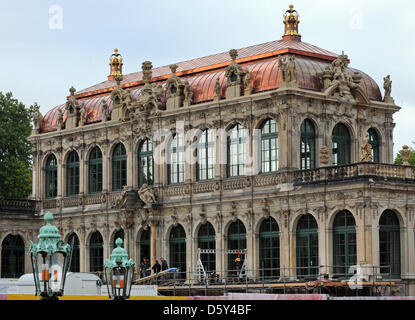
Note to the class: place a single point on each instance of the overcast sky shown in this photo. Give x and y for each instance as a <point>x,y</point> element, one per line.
<point>48,46</point>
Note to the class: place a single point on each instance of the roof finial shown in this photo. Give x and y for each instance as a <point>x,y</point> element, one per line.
<point>291,21</point>
<point>115,65</point>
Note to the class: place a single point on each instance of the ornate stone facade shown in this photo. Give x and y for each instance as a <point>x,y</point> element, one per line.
<point>366,190</point>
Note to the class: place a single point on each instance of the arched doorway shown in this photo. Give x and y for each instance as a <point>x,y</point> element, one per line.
<point>177,244</point>
<point>75,259</point>
<point>389,245</point>
<point>96,253</point>
<point>236,241</point>
<point>206,240</point>
<point>344,243</point>
<point>341,145</point>
<point>145,245</point>
<point>269,249</point>
<point>307,247</point>
<point>12,257</point>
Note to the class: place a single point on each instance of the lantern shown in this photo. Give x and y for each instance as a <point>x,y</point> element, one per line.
<point>119,272</point>
<point>50,261</point>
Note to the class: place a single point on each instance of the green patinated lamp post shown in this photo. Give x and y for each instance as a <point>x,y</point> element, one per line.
<point>119,272</point>
<point>50,261</point>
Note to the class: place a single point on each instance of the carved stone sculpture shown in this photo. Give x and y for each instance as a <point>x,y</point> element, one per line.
<point>338,81</point>
<point>324,156</point>
<point>105,111</point>
<point>72,110</point>
<point>37,121</point>
<point>247,83</point>
<point>387,85</point>
<point>60,119</point>
<point>147,195</point>
<point>217,90</point>
<point>82,116</point>
<point>405,153</point>
<point>188,94</point>
<point>288,72</point>
<point>120,198</point>
<point>366,150</point>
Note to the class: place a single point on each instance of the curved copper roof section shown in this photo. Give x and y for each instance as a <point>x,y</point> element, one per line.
<point>265,75</point>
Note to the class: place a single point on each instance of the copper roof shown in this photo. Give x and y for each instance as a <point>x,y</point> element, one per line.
<point>261,60</point>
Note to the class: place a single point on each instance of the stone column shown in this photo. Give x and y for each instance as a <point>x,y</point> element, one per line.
<point>285,140</point>
<point>82,252</point>
<point>83,175</point>
<point>130,161</point>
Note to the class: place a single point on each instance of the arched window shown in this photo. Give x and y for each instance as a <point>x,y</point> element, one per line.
<point>374,142</point>
<point>236,151</point>
<point>269,146</point>
<point>75,262</point>
<point>307,247</point>
<point>12,257</point>
<point>145,163</point>
<point>176,164</point>
<point>341,145</point>
<point>236,241</point>
<point>145,245</point>
<point>269,249</point>
<point>205,156</point>
<point>206,240</point>
<point>308,145</point>
<point>51,177</point>
<point>118,234</point>
<point>96,251</point>
<point>177,243</point>
<point>389,244</point>
<point>72,174</point>
<point>119,167</point>
<point>95,171</point>
<point>344,243</point>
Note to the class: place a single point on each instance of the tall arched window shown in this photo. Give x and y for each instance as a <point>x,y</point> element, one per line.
<point>269,146</point>
<point>177,243</point>
<point>236,241</point>
<point>206,240</point>
<point>341,145</point>
<point>118,234</point>
<point>51,177</point>
<point>205,156</point>
<point>95,171</point>
<point>96,251</point>
<point>119,167</point>
<point>75,261</point>
<point>389,244</point>
<point>176,164</point>
<point>145,245</point>
<point>72,174</point>
<point>269,249</point>
<point>374,142</point>
<point>12,257</point>
<point>236,151</point>
<point>145,163</point>
<point>344,243</point>
<point>308,145</point>
<point>307,247</point>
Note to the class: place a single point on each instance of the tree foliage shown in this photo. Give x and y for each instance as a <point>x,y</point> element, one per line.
<point>15,150</point>
<point>411,160</point>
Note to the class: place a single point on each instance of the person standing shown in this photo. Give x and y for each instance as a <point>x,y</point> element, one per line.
<point>164,265</point>
<point>145,268</point>
<point>156,267</point>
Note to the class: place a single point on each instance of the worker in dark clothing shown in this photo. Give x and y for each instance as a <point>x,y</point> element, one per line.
<point>145,268</point>
<point>164,265</point>
<point>156,267</point>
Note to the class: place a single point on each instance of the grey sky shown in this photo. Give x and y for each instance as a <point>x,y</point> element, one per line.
<point>41,64</point>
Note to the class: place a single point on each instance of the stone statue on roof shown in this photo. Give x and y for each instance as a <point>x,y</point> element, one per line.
<point>37,119</point>
<point>60,119</point>
<point>217,89</point>
<point>188,94</point>
<point>387,85</point>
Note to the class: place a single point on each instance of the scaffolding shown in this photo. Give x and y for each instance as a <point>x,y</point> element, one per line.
<point>202,275</point>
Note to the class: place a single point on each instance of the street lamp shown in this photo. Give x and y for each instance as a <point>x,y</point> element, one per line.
<point>50,257</point>
<point>119,272</point>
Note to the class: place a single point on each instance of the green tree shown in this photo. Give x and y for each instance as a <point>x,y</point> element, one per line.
<point>15,150</point>
<point>411,160</point>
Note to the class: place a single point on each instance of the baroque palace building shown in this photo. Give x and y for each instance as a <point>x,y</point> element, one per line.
<point>279,148</point>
